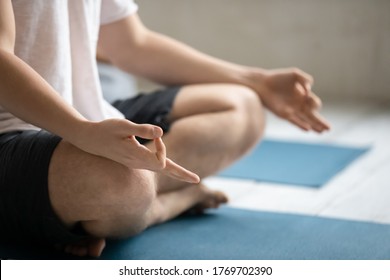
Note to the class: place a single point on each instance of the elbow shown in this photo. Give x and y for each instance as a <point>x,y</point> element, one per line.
<point>7,39</point>
<point>6,50</point>
<point>7,43</point>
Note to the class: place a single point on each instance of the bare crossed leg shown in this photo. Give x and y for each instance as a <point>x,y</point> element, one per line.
<point>212,125</point>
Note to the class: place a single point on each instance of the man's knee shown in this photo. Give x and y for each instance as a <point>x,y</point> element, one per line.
<point>110,196</point>
<point>124,205</point>
<point>251,112</point>
<point>242,95</point>
<point>246,114</point>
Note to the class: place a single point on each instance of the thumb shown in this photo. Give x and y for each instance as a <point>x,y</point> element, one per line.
<point>146,131</point>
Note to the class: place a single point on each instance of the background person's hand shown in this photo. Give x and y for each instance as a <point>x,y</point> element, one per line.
<point>287,93</point>
<point>115,139</point>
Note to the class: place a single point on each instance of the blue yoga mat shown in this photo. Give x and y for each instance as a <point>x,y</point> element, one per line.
<point>294,163</point>
<point>241,234</point>
<point>229,233</point>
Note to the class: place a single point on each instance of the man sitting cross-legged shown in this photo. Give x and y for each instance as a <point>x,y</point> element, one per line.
<point>72,170</point>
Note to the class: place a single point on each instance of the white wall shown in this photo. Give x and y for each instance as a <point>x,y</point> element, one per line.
<point>345,44</point>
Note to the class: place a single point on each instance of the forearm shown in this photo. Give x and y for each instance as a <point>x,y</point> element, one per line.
<point>129,45</point>
<point>29,97</point>
<point>167,61</point>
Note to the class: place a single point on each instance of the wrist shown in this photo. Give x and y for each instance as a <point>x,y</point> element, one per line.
<point>76,130</point>
<point>254,78</point>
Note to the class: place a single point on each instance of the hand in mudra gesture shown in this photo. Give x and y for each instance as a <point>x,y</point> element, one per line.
<point>287,93</point>
<point>115,139</point>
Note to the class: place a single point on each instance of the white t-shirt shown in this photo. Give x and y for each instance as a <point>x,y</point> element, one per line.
<point>58,38</point>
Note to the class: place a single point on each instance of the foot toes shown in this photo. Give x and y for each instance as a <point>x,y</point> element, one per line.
<point>96,246</point>
<point>92,247</point>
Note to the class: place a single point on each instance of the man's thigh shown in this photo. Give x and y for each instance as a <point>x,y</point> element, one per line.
<point>49,187</point>
<point>26,210</point>
<point>211,98</point>
<point>105,197</point>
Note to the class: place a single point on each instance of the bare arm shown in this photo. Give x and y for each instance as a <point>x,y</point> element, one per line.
<point>7,26</point>
<point>20,84</point>
<point>24,93</point>
<point>132,47</point>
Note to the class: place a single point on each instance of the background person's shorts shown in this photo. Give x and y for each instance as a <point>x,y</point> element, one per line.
<point>25,209</point>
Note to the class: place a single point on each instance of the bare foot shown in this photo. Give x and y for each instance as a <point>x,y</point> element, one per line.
<point>211,199</point>
<point>91,246</point>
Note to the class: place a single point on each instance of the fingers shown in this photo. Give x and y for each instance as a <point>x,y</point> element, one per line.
<point>139,153</point>
<point>304,79</point>
<point>171,168</point>
<point>161,151</point>
<point>145,131</point>
<point>307,117</point>
<point>310,120</point>
<point>178,172</point>
<point>305,114</point>
<point>313,103</point>
<point>318,123</point>
<point>158,162</point>
<point>299,122</point>
<point>142,157</point>
<point>298,104</point>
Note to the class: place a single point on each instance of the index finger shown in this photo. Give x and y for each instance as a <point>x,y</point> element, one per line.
<point>178,172</point>
<point>161,151</point>
<point>306,80</point>
<point>318,120</point>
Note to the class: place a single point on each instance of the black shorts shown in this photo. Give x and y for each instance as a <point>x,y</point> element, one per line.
<point>25,209</point>
<point>151,108</point>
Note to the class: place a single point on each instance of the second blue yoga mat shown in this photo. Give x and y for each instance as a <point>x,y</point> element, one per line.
<point>295,163</point>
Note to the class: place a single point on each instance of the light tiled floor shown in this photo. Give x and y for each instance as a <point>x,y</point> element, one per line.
<point>359,192</point>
